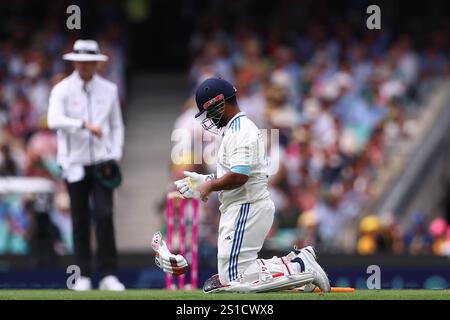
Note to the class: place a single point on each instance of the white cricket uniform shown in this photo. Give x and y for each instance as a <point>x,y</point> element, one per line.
<point>247,212</point>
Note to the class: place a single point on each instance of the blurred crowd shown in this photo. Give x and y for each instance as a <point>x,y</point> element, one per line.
<point>30,64</point>
<point>342,102</point>
<point>387,235</point>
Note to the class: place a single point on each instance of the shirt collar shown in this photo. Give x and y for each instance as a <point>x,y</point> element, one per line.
<point>81,82</point>
<point>240,114</point>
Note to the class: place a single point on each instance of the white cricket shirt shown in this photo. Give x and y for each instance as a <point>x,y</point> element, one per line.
<point>243,146</point>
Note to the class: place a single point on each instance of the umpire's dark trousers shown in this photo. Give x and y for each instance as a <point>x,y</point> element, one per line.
<point>91,202</point>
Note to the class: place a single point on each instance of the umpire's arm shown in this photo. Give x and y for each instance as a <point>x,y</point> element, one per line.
<point>56,119</point>
<point>117,128</point>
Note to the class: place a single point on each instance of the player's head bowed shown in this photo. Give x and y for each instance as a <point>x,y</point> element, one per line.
<point>216,97</point>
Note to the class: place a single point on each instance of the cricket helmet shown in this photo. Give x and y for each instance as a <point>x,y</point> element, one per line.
<point>210,97</point>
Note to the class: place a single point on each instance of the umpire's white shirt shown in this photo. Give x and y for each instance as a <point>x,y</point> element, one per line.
<point>243,146</point>
<point>72,102</point>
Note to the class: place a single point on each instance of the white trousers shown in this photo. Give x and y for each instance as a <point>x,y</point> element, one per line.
<point>242,231</point>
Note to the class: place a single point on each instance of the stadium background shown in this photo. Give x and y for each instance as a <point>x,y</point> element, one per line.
<point>363,119</point>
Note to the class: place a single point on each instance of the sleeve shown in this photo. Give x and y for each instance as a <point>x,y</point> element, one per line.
<point>241,150</point>
<point>117,128</point>
<point>56,118</point>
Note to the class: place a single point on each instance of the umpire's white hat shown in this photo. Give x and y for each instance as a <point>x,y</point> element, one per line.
<point>85,50</point>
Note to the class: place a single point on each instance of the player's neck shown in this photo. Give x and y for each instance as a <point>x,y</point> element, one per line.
<point>231,114</point>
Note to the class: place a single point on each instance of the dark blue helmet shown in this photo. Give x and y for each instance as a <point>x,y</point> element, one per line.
<point>213,92</point>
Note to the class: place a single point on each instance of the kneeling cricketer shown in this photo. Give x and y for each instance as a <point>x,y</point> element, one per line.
<point>247,212</point>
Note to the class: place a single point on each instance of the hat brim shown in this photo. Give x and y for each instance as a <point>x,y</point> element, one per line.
<point>84,57</point>
<point>199,113</point>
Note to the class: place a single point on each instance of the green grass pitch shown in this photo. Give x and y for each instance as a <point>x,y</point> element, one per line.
<point>198,295</point>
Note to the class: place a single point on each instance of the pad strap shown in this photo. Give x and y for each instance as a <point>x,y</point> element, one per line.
<point>287,268</point>
<point>264,272</point>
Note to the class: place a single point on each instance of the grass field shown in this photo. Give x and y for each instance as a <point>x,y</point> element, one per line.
<point>198,295</point>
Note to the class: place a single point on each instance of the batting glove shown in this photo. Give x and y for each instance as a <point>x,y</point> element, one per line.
<point>189,186</point>
<point>198,178</point>
<point>167,261</point>
<point>185,187</point>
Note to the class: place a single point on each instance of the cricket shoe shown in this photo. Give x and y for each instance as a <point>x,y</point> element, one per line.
<point>111,283</point>
<point>82,284</point>
<point>308,256</point>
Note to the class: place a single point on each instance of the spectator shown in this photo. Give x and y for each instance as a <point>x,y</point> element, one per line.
<point>417,239</point>
<point>8,166</point>
<point>369,229</point>
<point>439,231</point>
<point>23,117</point>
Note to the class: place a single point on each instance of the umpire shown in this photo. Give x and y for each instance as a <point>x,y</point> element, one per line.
<point>84,108</point>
